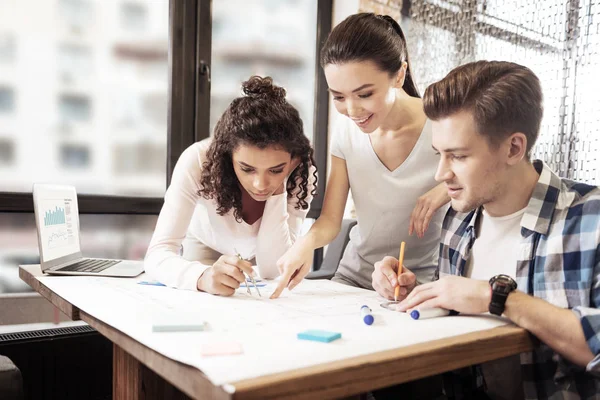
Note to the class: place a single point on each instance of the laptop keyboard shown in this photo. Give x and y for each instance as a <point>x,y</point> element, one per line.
<point>90,265</point>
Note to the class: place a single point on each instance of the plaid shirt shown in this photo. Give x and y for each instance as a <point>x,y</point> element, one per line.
<point>559,261</point>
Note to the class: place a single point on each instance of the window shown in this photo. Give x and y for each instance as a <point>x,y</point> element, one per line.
<point>76,13</point>
<point>7,100</point>
<point>72,95</point>
<point>418,34</point>
<point>139,159</point>
<point>100,105</point>
<point>133,16</point>
<point>75,63</point>
<point>7,152</point>
<point>74,156</point>
<point>75,108</point>
<point>153,105</point>
<point>557,40</point>
<point>547,65</point>
<point>253,37</point>
<point>7,48</point>
<point>584,151</point>
<point>111,236</point>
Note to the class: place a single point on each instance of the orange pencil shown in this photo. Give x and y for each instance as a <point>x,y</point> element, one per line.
<point>400,262</point>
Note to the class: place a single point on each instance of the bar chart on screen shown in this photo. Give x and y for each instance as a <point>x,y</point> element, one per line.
<point>58,222</point>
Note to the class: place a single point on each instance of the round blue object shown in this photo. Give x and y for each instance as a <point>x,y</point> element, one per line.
<point>367,317</point>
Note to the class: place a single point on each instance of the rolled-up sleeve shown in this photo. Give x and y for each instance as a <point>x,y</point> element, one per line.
<point>590,322</point>
<point>590,318</point>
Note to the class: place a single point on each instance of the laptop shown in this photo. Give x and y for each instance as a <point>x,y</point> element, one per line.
<point>57,221</point>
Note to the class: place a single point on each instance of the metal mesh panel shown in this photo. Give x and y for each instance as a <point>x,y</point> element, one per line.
<point>559,40</point>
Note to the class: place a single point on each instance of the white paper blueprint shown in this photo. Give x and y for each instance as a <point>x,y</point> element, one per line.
<point>266,328</point>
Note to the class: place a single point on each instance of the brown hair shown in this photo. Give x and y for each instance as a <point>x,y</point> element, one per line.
<point>261,118</point>
<point>503,98</point>
<point>370,37</point>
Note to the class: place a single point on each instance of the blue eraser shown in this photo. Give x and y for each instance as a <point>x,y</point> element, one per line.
<point>368,319</point>
<point>319,336</point>
<point>415,314</point>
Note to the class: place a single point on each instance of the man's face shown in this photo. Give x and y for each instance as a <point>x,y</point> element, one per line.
<point>471,168</point>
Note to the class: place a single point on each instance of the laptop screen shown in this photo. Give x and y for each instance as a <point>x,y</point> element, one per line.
<point>57,219</point>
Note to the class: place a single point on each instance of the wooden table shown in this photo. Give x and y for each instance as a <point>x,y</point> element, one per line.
<point>141,373</point>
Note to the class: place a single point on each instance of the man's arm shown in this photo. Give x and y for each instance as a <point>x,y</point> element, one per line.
<point>559,328</point>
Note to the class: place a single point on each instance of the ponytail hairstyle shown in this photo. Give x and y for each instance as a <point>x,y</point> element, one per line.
<point>261,118</point>
<point>370,37</point>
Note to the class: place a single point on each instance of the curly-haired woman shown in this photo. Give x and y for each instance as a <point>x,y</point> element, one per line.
<point>244,191</point>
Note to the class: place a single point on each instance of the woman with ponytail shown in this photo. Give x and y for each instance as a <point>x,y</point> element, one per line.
<point>244,191</point>
<point>382,152</point>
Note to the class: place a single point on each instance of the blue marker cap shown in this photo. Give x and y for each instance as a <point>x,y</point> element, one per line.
<point>367,317</point>
<point>430,313</point>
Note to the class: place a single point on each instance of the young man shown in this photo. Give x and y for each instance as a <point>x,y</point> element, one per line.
<point>518,240</point>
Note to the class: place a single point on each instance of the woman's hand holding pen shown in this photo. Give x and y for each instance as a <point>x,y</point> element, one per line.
<point>293,266</point>
<point>225,276</point>
<point>385,278</point>
<point>426,206</point>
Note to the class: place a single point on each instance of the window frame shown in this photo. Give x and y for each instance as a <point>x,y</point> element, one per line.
<point>190,42</point>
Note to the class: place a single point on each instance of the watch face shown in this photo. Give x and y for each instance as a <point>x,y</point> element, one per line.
<point>503,284</point>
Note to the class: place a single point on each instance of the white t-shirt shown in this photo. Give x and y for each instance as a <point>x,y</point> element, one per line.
<point>494,252</point>
<point>384,201</point>
<point>185,214</point>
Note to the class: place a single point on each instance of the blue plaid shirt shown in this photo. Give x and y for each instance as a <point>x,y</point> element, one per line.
<point>559,262</point>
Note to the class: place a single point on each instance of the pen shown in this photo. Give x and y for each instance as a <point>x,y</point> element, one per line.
<point>250,277</point>
<point>429,313</point>
<point>400,262</point>
<point>151,283</point>
<point>365,314</point>
<point>239,256</point>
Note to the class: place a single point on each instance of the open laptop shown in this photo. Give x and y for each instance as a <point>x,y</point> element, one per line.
<point>57,221</point>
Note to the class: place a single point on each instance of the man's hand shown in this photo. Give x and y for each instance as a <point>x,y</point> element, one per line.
<point>385,279</point>
<point>426,206</point>
<point>225,276</point>
<point>456,293</point>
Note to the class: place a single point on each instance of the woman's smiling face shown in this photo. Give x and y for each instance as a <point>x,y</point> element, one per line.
<point>362,92</point>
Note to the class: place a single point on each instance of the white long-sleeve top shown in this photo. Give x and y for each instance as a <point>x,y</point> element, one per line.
<point>186,212</point>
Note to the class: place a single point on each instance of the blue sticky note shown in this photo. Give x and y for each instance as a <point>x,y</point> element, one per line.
<point>319,336</point>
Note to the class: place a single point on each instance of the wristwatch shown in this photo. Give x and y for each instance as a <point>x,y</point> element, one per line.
<point>501,285</point>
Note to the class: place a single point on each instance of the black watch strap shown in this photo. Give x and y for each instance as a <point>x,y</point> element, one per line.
<point>502,285</point>
<point>497,303</point>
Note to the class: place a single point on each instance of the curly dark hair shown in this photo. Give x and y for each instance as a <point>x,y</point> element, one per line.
<point>261,118</point>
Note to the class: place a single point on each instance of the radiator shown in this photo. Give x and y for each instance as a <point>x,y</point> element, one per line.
<point>63,363</point>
